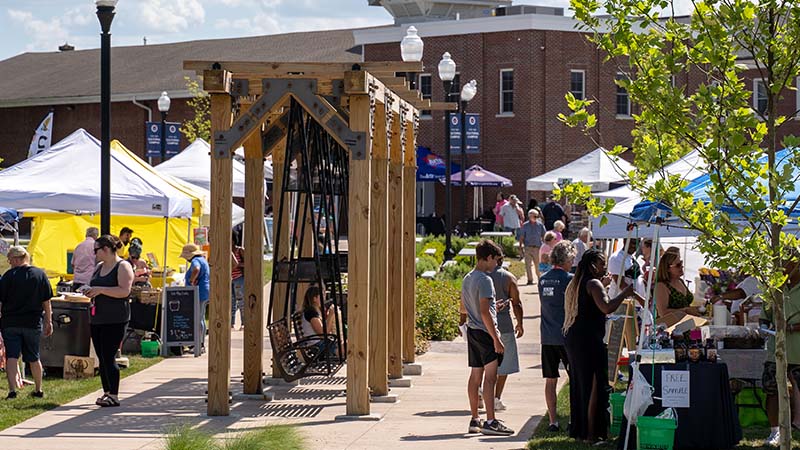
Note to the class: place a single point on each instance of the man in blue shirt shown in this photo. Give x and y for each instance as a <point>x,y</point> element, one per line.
<point>198,275</point>
<point>552,287</point>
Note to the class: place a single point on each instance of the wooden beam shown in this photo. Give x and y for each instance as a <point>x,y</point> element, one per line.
<point>396,273</point>
<point>217,82</point>
<point>254,265</point>
<point>358,268</point>
<point>441,106</point>
<point>219,339</point>
<point>275,69</point>
<point>409,243</point>
<point>361,82</point>
<point>280,241</point>
<point>378,233</point>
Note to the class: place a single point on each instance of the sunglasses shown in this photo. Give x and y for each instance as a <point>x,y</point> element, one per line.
<point>677,264</point>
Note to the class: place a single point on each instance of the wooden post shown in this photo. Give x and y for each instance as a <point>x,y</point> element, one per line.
<point>254,264</point>
<point>396,269</point>
<point>278,198</point>
<point>409,243</point>
<point>378,233</point>
<point>358,267</point>
<point>219,330</point>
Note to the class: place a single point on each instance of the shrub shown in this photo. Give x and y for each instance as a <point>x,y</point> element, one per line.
<point>280,436</point>
<point>426,263</point>
<point>434,243</point>
<point>437,309</point>
<point>454,272</point>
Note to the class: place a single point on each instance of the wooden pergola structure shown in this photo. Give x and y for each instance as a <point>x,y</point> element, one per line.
<point>374,115</point>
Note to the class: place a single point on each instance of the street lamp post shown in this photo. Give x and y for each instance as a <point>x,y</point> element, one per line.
<point>105,13</point>
<point>411,48</point>
<point>163,107</point>
<point>467,93</point>
<point>447,72</point>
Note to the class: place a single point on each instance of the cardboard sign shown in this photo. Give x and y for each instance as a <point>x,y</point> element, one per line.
<point>675,388</point>
<point>78,367</point>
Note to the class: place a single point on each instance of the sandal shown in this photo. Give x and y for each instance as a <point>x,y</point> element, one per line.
<point>108,401</point>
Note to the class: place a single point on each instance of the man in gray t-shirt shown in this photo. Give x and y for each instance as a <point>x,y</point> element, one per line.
<point>484,347</point>
<point>507,294</point>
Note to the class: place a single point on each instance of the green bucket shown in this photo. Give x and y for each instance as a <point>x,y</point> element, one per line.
<point>149,349</point>
<point>655,434</point>
<point>617,412</point>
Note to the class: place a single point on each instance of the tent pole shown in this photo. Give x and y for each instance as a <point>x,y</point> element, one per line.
<point>164,263</point>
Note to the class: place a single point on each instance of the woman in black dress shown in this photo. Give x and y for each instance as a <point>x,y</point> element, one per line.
<point>586,305</point>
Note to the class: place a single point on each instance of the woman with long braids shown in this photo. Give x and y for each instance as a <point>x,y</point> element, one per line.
<point>586,305</point>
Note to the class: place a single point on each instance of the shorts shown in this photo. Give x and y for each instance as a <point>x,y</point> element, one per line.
<point>24,341</point>
<point>769,381</point>
<point>510,362</point>
<point>480,349</point>
<point>552,355</point>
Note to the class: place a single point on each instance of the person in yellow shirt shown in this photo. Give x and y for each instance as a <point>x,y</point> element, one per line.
<point>125,235</point>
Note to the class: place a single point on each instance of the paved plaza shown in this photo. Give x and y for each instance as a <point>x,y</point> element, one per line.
<point>432,413</point>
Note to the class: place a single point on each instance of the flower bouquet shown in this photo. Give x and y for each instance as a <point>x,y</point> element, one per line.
<point>717,281</point>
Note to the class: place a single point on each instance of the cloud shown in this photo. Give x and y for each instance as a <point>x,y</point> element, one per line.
<point>264,23</point>
<point>171,16</point>
<point>46,35</point>
<point>79,16</point>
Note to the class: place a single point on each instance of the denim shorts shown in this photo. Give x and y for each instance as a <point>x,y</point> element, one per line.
<point>24,341</point>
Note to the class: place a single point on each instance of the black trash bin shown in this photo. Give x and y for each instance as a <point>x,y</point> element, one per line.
<point>71,333</point>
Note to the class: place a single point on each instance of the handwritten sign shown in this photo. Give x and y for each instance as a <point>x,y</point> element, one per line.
<point>181,324</point>
<point>675,388</point>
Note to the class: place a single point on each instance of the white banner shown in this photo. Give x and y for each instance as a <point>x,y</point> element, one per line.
<point>42,138</point>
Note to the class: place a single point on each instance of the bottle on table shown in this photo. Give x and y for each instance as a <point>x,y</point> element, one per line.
<point>711,351</point>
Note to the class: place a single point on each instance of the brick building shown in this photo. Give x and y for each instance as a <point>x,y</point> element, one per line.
<point>524,58</point>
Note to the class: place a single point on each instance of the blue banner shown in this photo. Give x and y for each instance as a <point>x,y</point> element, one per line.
<point>472,132</point>
<point>172,144</point>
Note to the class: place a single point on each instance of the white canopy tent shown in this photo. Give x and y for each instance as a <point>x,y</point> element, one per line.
<point>597,169</point>
<point>66,178</point>
<point>689,167</point>
<point>239,155</point>
<point>193,165</point>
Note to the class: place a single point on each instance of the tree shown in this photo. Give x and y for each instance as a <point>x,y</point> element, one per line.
<point>198,126</point>
<point>743,220</point>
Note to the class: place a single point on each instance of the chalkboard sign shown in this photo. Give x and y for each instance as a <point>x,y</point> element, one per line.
<point>621,331</point>
<point>181,324</point>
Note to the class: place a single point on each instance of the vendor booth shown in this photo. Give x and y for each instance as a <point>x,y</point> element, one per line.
<point>477,177</point>
<point>430,168</point>
<point>597,169</point>
<point>60,190</point>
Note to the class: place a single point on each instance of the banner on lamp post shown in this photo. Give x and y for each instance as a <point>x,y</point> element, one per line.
<point>172,142</point>
<point>472,131</point>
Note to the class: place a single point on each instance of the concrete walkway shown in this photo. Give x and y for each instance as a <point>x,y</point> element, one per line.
<point>434,412</point>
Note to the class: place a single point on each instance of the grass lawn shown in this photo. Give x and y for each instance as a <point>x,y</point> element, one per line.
<point>272,437</point>
<point>57,392</point>
<point>542,440</point>
<point>267,272</point>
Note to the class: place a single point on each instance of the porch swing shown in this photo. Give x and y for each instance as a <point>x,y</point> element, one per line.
<point>320,190</point>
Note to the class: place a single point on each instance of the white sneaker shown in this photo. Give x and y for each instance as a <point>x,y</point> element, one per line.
<point>499,405</point>
<point>774,439</point>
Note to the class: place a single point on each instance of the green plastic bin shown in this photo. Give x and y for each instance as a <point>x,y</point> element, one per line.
<point>655,434</point>
<point>150,349</point>
<point>617,412</point>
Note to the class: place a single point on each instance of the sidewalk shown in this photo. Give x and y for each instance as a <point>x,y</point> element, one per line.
<point>433,412</point>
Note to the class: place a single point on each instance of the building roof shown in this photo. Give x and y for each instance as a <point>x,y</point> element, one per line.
<point>141,72</point>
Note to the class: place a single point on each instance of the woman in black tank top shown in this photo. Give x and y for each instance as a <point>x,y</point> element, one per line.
<point>110,312</point>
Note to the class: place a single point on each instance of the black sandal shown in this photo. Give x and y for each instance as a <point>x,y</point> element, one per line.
<point>108,401</point>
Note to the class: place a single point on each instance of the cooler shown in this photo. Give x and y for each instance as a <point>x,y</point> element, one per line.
<point>71,333</point>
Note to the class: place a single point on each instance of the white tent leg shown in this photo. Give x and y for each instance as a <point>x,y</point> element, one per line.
<point>164,262</point>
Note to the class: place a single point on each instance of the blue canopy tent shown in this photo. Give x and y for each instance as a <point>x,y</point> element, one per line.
<point>9,221</point>
<point>431,167</point>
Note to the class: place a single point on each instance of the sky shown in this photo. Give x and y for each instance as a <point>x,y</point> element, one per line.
<point>43,25</point>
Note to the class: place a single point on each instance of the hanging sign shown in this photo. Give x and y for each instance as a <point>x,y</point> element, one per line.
<point>675,388</point>
<point>172,141</point>
<point>472,132</point>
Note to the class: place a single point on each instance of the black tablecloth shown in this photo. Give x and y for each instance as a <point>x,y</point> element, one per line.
<point>711,422</point>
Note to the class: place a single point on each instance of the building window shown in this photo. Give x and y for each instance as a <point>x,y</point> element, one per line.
<point>760,96</point>
<point>507,91</point>
<point>623,99</point>
<point>577,83</point>
<point>425,89</point>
